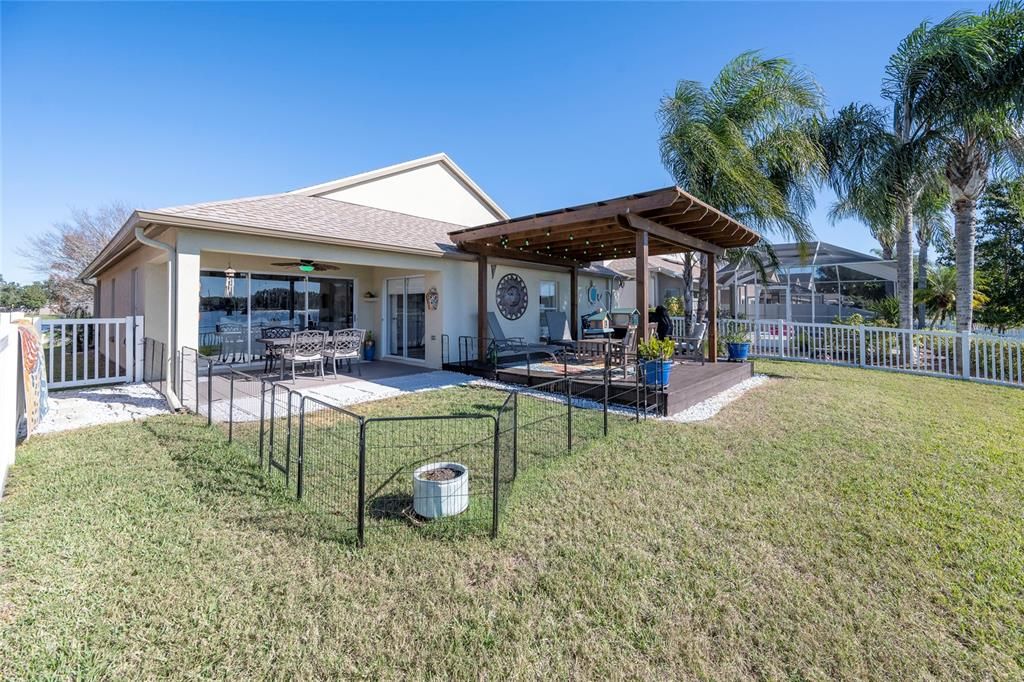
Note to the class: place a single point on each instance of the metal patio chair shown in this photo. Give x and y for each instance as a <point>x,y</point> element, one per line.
<point>346,344</point>
<point>273,353</point>
<point>306,347</point>
<point>231,339</point>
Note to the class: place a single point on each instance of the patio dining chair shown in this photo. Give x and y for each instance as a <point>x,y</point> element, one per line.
<point>273,353</point>
<point>691,347</point>
<point>346,344</point>
<point>231,339</point>
<point>306,347</point>
<point>624,352</point>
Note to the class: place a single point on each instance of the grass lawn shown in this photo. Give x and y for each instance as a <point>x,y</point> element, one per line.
<point>833,523</point>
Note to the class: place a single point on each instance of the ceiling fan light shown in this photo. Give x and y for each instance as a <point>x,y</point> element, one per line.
<point>307,267</point>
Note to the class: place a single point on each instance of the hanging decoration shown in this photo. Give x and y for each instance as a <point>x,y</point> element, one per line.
<point>511,296</point>
<point>229,281</point>
<point>593,294</point>
<point>432,298</point>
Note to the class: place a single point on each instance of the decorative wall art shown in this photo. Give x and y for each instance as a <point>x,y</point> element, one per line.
<point>432,298</point>
<point>511,296</point>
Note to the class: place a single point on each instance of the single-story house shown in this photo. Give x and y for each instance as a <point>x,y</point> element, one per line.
<point>666,277</point>
<point>411,252</point>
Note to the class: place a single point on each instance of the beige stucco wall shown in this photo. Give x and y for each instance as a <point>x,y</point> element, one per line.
<point>115,283</point>
<point>429,191</point>
<point>454,279</point>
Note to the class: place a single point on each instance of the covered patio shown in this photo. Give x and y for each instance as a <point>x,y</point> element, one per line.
<point>658,222</point>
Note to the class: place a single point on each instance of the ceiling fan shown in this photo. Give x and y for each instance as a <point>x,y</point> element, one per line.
<point>306,265</point>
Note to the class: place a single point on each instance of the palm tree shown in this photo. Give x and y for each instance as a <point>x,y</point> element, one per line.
<point>888,159</point>
<point>932,228</point>
<point>939,296</point>
<point>869,203</point>
<point>982,110</point>
<point>878,173</point>
<point>748,143</point>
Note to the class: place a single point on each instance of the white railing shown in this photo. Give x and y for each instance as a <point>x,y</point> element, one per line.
<point>976,357</point>
<point>92,351</point>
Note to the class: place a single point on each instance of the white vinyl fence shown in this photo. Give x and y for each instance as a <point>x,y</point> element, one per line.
<point>976,357</point>
<point>92,351</point>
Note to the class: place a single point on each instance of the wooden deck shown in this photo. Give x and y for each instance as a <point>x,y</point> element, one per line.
<point>690,383</point>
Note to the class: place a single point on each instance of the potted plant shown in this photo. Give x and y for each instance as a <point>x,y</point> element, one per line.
<point>368,346</point>
<point>738,344</point>
<point>658,360</point>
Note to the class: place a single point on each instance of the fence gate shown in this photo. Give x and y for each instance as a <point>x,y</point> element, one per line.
<point>92,351</point>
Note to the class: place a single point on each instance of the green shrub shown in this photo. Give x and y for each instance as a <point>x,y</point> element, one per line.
<point>656,349</point>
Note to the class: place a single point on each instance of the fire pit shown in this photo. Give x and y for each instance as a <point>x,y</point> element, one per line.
<point>440,489</point>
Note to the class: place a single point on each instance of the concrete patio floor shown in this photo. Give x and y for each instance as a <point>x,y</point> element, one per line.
<point>370,381</point>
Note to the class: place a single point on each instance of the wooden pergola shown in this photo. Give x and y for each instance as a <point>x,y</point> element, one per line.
<point>658,222</point>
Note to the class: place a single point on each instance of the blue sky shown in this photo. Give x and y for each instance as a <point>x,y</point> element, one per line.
<point>544,105</point>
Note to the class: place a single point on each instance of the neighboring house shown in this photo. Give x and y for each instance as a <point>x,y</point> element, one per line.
<point>665,277</point>
<point>365,251</point>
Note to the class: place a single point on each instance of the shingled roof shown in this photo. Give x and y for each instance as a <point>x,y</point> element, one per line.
<point>328,218</point>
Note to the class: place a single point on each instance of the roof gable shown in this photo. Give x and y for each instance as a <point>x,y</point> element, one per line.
<point>433,187</point>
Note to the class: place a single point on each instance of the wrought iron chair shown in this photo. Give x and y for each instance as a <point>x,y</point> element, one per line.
<point>346,344</point>
<point>274,352</point>
<point>231,338</point>
<point>306,347</point>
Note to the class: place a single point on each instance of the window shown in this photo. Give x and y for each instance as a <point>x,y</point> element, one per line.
<point>548,301</point>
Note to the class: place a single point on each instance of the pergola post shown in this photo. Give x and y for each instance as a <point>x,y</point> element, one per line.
<point>574,303</point>
<point>642,281</point>
<point>712,309</point>
<point>481,308</point>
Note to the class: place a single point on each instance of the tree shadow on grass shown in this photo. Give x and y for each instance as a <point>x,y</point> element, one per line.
<point>228,481</point>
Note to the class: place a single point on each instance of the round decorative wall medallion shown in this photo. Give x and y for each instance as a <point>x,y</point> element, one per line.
<point>511,296</point>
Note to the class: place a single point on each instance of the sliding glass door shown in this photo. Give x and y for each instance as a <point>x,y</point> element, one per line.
<point>223,313</point>
<point>406,318</point>
<point>235,308</point>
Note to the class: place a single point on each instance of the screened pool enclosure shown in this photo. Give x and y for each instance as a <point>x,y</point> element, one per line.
<point>815,284</point>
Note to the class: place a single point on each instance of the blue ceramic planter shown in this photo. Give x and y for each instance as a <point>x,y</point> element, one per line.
<point>656,372</point>
<point>738,352</point>
<point>368,353</point>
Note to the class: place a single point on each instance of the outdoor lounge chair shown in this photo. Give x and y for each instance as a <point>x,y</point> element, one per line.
<point>558,329</point>
<point>306,347</point>
<point>692,347</point>
<point>506,346</point>
<point>346,344</point>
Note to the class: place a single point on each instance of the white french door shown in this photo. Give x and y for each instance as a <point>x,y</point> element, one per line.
<point>405,321</point>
